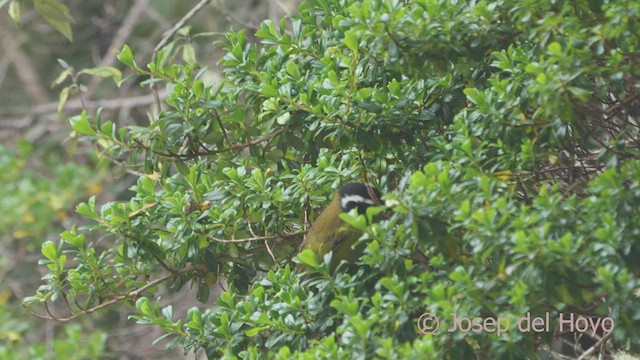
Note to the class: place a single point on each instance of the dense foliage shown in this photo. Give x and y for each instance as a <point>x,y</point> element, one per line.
<point>504,135</point>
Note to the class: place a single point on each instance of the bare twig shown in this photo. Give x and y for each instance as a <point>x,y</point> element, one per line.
<point>169,34</point>
<point>219,151</point>
<point>118,103</point>
<point>224,131</point>
<point>596,346</point>
<point>255,238</point>
<point>247,144</point>
<point>156,96</point>
<point>622,103</point>
<point>165,39</point>
<point>273,257</point>
<point>4,65</point>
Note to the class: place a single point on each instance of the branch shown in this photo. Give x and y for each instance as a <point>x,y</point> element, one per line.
<point>596,346</point>
<point>255,238</point>
<point>217,151</point>
<point>247,144</point>
<point>4,65</point>
<point>178,26</point>
<point>165,39</point>
<point>130,295</point>
<point>127,102</point>
<point>621,103</point>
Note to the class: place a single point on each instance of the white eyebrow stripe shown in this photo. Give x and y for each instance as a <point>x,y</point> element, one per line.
<point>356,199</point>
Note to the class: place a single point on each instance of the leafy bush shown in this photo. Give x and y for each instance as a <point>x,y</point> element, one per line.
<point>503,133</point>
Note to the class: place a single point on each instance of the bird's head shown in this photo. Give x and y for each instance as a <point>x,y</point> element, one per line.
<point>358,196</point>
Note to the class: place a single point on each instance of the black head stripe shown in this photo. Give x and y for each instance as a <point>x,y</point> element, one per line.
<point>358,196</point>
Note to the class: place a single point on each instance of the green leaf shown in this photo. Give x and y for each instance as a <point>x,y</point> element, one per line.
<point>475,96</point>
<point>104,72</point>
<point>189,54</point>
<point>126,57</point>
<point>268,32</point>
<point>107,128</point>
<point>351,40</point>
<point>57,15</point>
<point>283,119</point>
<point>62,98</point>
<point>308,257</point>
<point>15,11</point>
<point>62,77</point>
<point>292,69</point>
<point>73,239</point>
<point>144,307</point>
<point>256,330</point>
<point>269,90</point>
<point>182,168</point>
<point>167,312</point>
<point>80,124</point>
<point>49,251</point>
<point>555,49</point>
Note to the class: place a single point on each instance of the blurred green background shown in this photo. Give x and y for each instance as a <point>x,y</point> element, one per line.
<point>44,173</point>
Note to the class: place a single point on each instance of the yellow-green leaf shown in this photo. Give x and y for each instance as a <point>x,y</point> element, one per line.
<point>61,78</point>
<point>64,95</point>
<point>14,10</point>
<point>104,72</point>
<point>57,15</point>
<point>188,54</point>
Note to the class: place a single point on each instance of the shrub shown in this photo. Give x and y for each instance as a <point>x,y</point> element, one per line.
<point>504,135</point>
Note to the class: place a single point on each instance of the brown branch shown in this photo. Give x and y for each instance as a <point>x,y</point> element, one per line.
<point>255,238</point>
<point>165,39</point>
<point>224,131</point>
<point>164,265</point>
<point>130,295</point>
<point>127,102</point>
<point>273,257</point>
<point>247,144</point>
<point>596,346</point>
<point>621,103</point>
<point>4,65</point>
<point>178,26</point>
<point>218,151</point>
<point>594,167</point>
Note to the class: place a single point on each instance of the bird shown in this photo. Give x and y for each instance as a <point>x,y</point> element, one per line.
<point>330,233</point>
